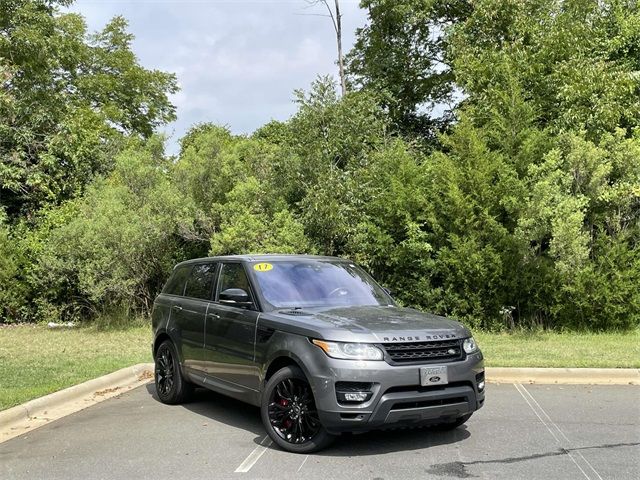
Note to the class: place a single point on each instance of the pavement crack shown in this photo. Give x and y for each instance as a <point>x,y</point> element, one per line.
<point>459,469</point>
<point>451,469</point>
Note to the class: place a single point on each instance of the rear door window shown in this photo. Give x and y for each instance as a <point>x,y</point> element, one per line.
<point>175,285</point>
<point>200,281</point>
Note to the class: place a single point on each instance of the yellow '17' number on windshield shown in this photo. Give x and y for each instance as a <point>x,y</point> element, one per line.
<point>262,267</point>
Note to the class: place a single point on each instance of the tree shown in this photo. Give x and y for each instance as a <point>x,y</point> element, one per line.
<point>336,20</point>
<point>401,54</point>
<point>115,249</point>
<point>68,100</point>
<point>12,293</point>
<point>537,182</point>
<point>574,62</point>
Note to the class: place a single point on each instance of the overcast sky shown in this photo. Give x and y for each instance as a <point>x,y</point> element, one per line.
<point>237,61</point>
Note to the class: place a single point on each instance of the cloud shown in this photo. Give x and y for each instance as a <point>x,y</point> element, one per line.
<point>237,62</point>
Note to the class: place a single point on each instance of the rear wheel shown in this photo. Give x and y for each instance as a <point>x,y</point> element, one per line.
<point>171,386</point>
<point>289,413</point>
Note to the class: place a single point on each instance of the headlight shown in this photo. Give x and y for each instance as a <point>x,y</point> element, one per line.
<point>350,351</point>
<point>470,345</point>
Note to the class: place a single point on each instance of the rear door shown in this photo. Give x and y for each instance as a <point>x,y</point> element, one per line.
<point>230,333</point>
<point>171,294</point>
<point>190,313</point>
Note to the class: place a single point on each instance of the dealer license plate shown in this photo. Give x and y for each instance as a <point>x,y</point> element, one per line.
<point>433,376</point>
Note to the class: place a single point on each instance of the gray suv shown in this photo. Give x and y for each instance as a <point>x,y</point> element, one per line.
<point>316,343</point>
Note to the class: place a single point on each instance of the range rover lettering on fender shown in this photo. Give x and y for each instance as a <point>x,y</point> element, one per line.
<point>316,343</point>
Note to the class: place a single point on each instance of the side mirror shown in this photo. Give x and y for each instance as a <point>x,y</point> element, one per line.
<point>235,297</point>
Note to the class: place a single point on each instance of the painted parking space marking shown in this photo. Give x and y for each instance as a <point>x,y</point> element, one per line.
<point>579,453</point>
<point>566,446</point>
<point>303,462</point>
<point>254,456</point>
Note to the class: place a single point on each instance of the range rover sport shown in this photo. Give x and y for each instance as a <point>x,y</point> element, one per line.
<point>314,342</point>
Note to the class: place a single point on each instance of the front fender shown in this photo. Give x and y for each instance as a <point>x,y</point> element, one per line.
<point>286,345</point>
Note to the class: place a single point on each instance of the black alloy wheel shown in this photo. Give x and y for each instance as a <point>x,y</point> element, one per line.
<point>290,415</point>
<point>164,371</point>
<point>292,411</point>
<point>171,387</point>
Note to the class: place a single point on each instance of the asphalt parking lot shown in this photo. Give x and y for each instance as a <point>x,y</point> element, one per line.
<point>528,432</point>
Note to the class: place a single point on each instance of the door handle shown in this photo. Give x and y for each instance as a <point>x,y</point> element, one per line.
<point>213,315</point>
<point>177,308</point>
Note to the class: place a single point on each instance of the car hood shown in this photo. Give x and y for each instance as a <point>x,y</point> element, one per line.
<point>377,324</point>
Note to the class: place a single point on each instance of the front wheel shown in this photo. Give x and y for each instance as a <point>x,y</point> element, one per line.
<point>289,413</point>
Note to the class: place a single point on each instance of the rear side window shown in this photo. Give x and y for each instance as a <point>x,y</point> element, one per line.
<point>175,285</point>
<point>200,282</point>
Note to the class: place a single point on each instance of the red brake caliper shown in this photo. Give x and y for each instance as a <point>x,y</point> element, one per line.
<point>287,422</point>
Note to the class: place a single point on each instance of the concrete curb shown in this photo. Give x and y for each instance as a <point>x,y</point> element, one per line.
<point>564,376</point>
<point>40,411</point>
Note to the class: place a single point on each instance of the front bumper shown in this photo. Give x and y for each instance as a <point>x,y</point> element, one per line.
<point>397,398</point>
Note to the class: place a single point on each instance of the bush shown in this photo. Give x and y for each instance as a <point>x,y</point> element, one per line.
<point>116,251</point>
<point>12,293</point>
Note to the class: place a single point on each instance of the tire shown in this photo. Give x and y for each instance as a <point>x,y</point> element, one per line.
<point>289,413</point>
<point>171,386</point>
<point>453,425</point>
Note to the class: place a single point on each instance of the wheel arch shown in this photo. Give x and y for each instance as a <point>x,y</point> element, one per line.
<point>160,338</point>
<point>279,363</point>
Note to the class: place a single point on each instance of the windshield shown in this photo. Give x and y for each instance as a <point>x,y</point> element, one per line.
<point>290,284</point>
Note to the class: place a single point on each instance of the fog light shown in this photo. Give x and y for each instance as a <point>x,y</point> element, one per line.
<point>480,381</point>
<point>353,392</point>
<point>356,396</point>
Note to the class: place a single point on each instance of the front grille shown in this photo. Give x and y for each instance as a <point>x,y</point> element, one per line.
<point>440,351</point>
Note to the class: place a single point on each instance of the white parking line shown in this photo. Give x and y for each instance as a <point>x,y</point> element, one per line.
<point>254,456</point>
<point>560,431</point>
<point>303,462</point>
<point>517,385</point>
<point>521,390</point>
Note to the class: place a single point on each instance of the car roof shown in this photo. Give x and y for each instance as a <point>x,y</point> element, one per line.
<point>268,257</point>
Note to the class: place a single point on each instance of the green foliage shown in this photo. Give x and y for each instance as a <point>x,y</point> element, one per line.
<point>12,296</point>
<point>603,295</point>
<point>525,213</point>
<point>123,239</point>
<point>574,62</point>
<point>401,54</point>
<point>68,99</point>
<point>240,188</point>
<point>543,165</point>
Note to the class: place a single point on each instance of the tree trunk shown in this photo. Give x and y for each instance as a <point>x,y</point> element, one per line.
<point>338,25</point>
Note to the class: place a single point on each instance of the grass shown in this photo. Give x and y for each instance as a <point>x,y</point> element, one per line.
<point>553,349</point>
<point>35,360</point>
